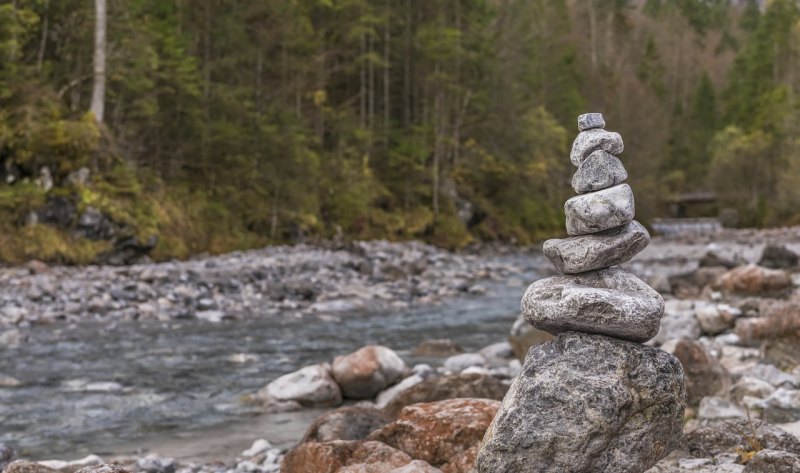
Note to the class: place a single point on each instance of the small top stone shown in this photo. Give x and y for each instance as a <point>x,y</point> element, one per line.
<point>587,121</point>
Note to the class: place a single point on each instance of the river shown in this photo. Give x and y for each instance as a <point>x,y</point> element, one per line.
<point>177,387</point>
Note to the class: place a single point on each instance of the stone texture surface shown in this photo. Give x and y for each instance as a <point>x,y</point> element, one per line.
<point>367,371</point>
<point>310,386</point>
<point>104,468</point>
<point>463,361</point>
<point>778,257</point>
<point>610,301</point>
<point>342,456</point>
<point>723,436</point>
<point>596,251</point>
<point>346,423</point>
<point>587,121</point>
<point>24,466</point>
<point>587,403</point>
<point>439,432</point>
<point>679,321</point>
<point>600,170</point>
<point>754,280</point>
<point>590,141</point>
<point>773,461</point>
<point>598,211</point>
<point>705,376</point>
<point>449,387</point>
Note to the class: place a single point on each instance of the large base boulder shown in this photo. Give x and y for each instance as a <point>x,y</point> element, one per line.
<point>588,403</point>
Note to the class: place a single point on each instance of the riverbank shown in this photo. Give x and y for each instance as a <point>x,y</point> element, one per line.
<point>274,282</point>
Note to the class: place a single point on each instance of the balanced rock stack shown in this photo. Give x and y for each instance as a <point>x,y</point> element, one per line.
<point>594,399</point>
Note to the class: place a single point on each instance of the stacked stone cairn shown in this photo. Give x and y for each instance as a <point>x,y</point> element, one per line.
<point>593,399</point>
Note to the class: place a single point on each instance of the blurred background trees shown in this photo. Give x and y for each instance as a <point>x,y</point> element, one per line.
<point>229,124</point>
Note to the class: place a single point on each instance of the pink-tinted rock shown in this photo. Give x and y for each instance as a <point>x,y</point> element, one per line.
<point>440,432</point>
<point>368,371</point>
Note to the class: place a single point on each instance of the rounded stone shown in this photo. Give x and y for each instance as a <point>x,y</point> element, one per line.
<point>609,301</point>
<point>587,121</point>
<point>598,250</point>
<point>600,170</point>
<point>367,371</point>
<point>585,404</point>
<point>598,211</point>
<point>589,141</point>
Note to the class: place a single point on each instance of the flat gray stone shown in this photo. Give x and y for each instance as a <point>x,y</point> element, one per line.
<point>598,250</point>
<point>601,210</point>
<point>586,404</point>
<point>600,170</point>
<point>589,141</point>
<point>609,301</point>
<point>587,121</point>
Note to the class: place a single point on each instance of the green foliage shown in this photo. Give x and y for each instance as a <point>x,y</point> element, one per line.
<point>235,124</point>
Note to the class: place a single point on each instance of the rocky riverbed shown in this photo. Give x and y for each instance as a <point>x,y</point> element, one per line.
<point>272,282</point>
<point>732,319</point>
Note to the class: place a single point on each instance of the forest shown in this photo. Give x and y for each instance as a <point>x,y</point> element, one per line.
<point>218,125</point>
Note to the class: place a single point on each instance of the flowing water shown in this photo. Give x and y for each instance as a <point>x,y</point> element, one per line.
<point>118,388</point>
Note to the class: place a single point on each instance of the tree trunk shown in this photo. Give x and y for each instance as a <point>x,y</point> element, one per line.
<point>99,89</point>
<point>43,41</point>
<point>386,73</point>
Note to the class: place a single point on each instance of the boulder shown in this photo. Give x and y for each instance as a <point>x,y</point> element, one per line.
<point>712,258</point>
<point>368,371</point>
<point>344,456</point>
<point>389,394</point>
<point>598,250</point>
<point>154,463</point>
<point>23,466</point>
<point>589,141</point>
<point>714,408</point>
<point>773,461</point>
<point>497,351</point>
<point>437,348</point>
<point>779,330</point>
<point>711,438</point>
<point>628,396</point>
<point>309,386</point>
<point>610,302</point>
<point>417,466</point>
<point>778,257</point>
<point>523,336</point>
<point>449,387</point>
<point>587,121</point>
<point>457,363</point>
<point>754,280</point>
<point>782,406</point>
<point>600,210</point>
<point>439,432</point>
<point>749,386</point>
<point>705,376</point>
<point>72,466</point>
<point>600,170</point>
<point>679,321</point>
<point>346,423</point>
<point>105,468</point>
<point>715,319</point>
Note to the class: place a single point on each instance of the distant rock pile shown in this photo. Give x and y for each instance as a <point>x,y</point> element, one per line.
<point>593,399</point>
